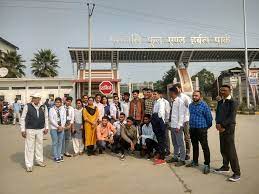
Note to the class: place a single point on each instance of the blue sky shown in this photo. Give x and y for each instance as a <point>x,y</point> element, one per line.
<point>58,24</point>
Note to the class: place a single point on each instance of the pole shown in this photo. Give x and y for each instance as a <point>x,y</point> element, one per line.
<point>246,58</point>
<point>90,13</point>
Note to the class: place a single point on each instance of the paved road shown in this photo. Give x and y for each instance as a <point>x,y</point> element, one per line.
<point>107,174</point>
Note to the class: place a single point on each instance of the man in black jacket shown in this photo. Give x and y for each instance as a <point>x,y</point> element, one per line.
<point>225,124</point>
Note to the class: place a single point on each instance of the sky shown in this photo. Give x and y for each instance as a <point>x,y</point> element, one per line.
<point>58,24</point>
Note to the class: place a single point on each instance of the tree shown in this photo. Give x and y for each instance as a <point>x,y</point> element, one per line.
<point>14,63</point>
<point>44,64</point>
<point>206,80</point>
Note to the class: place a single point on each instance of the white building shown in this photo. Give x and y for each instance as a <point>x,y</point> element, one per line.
<point>23,88</point>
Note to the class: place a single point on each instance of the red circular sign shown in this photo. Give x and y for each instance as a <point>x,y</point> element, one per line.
<point>106,87</point>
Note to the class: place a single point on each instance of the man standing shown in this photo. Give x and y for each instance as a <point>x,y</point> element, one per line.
<point>225,124</point>
<point>200,122</point>
<point>177,119</point>
<point>100,107</point>
<point>34,123</point>
<point>125,104</point>
<point>187,101</point>
<point>16,110</point>
<point>85,100</point>
<point>148,101</point>
<point>136,108</point>
<point>70,115</point>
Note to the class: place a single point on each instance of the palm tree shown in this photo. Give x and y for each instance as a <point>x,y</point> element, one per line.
<point>14,63</point>
<point>44,64</point>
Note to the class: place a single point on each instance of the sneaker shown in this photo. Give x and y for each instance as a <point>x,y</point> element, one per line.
<point>40,164</point>
<point>187,157</point>
<point>100,151</point>
<point>159,161</point>
<point>206,169</point>
<point>222,169</point>
<point>180,163</point>
<point>61,159</point>
<point>234,178</point>
<point>29,169</point>
<point>122,157</point>
<point>192,164</point>
<point>172,160</point>
<point>57,160</point>
<point>68,155</point>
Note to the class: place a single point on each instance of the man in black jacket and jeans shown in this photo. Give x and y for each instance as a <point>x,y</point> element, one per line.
<point>225,124</point>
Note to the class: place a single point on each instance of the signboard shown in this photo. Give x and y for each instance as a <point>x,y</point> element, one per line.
<point>106,87</point>
<point>253,81</point>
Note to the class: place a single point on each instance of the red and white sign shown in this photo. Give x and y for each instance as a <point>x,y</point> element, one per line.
<point>106,87</point>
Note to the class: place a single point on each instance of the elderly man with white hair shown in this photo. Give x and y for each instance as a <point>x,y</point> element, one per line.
<point>34,123</point>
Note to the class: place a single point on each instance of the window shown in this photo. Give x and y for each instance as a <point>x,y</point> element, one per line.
<point>51,95</point>
<point>18,88</point>
<point>35,87</point>
<point>2,97</point>
<point>51,87</point>
<point>19,97</point>
<point>66,87</point>
<point>4,88</point>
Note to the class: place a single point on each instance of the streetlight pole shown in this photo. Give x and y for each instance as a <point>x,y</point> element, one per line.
<point>90,13</point>
<point>246,57</point>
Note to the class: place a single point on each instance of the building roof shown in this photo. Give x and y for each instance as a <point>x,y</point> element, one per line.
<point>79,55</point>
<point>36,79</point>
<point>8,43</point>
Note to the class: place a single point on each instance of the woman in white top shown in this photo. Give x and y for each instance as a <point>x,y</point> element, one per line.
<point>115,109</point>
<point>77,130</point>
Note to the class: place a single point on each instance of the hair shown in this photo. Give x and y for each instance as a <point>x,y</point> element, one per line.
<point>79,100</point>
<point>149,89</point>
<point>91,98</point>
<point>174,90</point>
<point>103,98</point>
<point>178,85</point>
<point>115,94</point>
<point>98,95</point>
<point>226,86</point>
<point>122,113</point>
<point>158,91</point>
<point>105,117</point>
<point>130,118</point>
<point>69,98</point>
<point>198,91</point>
<point>58,99</point>
<point>126,94</point>
<point>147,116</point>
<point>85,95</point>
<point>135,91</point>
<point>145,89</point>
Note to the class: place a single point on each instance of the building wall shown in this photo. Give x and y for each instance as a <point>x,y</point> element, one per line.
<point>5,47</point>
<point>59,88</point>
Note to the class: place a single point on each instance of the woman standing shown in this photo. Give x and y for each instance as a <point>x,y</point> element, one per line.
<point>106,105</point>
<point>90,116</point>
<point>77,130</point>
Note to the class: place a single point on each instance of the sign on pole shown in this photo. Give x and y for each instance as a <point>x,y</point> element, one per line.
<point>106,87</point>
<point>253,81</point>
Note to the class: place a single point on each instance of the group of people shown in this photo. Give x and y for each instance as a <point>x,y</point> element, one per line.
<point>96,125</point>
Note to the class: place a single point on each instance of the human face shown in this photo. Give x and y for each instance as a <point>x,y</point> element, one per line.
<point>104,122</point>
<point>135,95</point>
<point>98,99</point>
<point>146,120</point>
<point>224,92</point>
<point>58,103</point>
<point>104,100</point>
<point>129,122</point>
<point>90,101</point>
<point>85,99</point>
<point>196,96</point>
<point>126,97</point>
<point>36,101</point>
<point>149,94</point>
<point>122,118</point>
<point>156,96</point>
<point>68,102</point>
<point>145,94</point>
<point>116,100</point>
<point>79,105</point>
<point>173,95</point>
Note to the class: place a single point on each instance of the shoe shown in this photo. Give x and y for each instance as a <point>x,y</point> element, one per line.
<point>172,160</point>
<point>180,163</point>
<point>57,160</point>
<point>206,169</point>
<point>159,161</point>
<point>81,153</point>
<point>100,151</point>
<point>192,164</point>
<point>222,169</point>
<point>122,157</point>
<point>40,164</point>
<point>68,155</point>
<point>29,169</point>
<point>234,178</point>
<point>75,155</point>
<point>187,157</point>
<point>61,159</point>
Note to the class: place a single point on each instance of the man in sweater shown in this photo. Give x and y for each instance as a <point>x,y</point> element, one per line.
<point>136,108</point>
<point>200,122</point>
<point>225,124</point>
<point>34,123</point>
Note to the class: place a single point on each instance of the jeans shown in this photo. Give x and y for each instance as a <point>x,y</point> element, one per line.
<point>187,139</point>
<point>101,144</point>
<point>178,143</point>
<point>66,141</point>
<point>57,139</point>
<point>151,145</point>
<point>200,135</point>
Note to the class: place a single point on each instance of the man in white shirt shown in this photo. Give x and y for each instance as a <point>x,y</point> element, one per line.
<point>160,106</point>
<point>57,120</point>
<point>16,110</point>
<point>186,128</point>
<point>100,107</point>
<point>118,126</point>
<point>70,115</point>
<point>34,123</point>
<point>125,105</point>
<point>177,121</point>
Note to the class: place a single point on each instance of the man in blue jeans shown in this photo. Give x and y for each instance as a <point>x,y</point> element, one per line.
<point>57,119</point>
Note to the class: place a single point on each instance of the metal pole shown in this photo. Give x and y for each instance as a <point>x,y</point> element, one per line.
<point>246,57</point>
<point>90,13</point>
